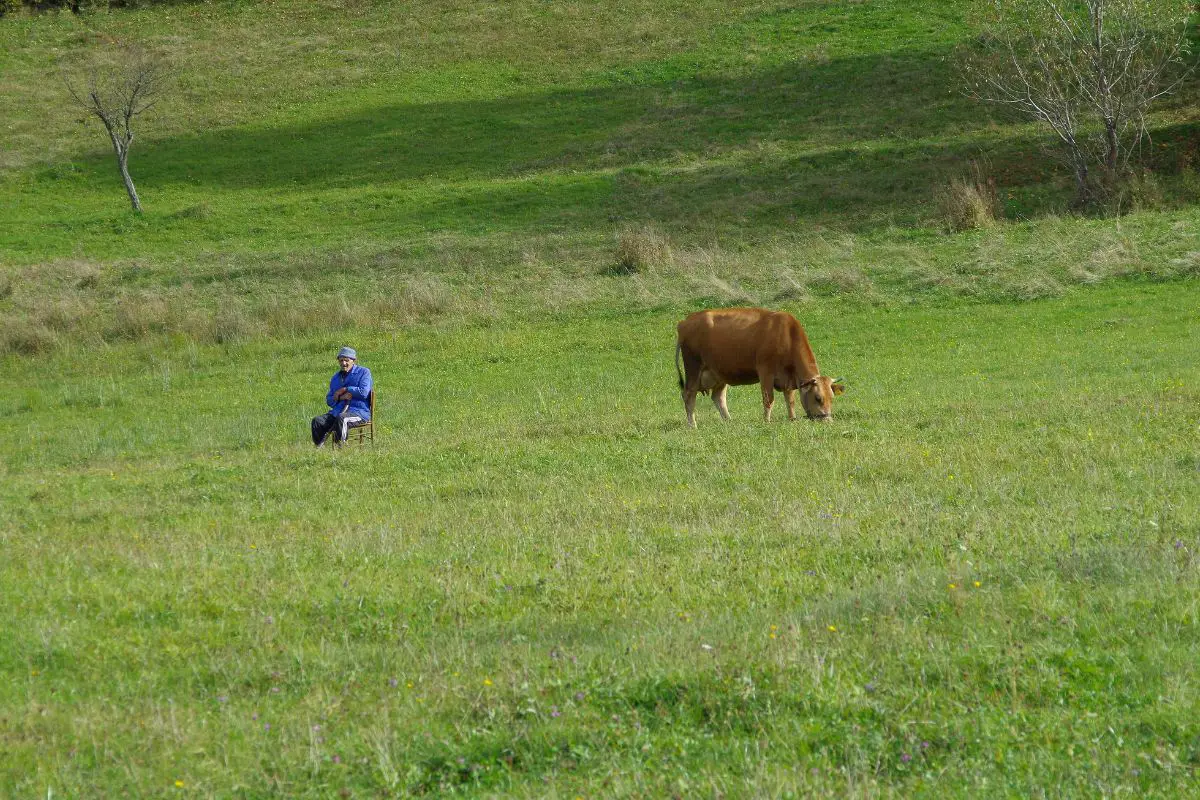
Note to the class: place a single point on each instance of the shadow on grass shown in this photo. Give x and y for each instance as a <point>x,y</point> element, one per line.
<point>852,144</point>
<point>812,105</point>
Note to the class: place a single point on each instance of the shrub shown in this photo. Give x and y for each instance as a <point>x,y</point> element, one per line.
<point>640,249</point>
<point>970,202</point>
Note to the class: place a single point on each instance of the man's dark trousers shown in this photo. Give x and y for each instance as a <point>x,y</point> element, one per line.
<point>329,423</point>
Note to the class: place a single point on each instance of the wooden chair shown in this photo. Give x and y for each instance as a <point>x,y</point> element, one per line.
<point>365,431</point>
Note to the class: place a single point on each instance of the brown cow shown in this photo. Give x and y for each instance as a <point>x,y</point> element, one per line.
<point>738,346</point>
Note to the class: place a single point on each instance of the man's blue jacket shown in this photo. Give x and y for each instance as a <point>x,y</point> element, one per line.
<point>358,381</point>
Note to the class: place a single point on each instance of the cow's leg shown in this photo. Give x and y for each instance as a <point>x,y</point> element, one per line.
<point>790,396</point>
<point>718,398</point>
<point>689,405</point>
<point>768,392</point>
<point>693,370</point>
<point>766,379</point>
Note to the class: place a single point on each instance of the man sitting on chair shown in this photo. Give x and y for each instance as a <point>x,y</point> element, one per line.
<point>349,389</point>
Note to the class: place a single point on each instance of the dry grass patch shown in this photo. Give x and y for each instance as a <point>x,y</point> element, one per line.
<point>923,276</point>
<point>792,288</point>
<point>1032,286</point>
<point>641,250</point>
<point>970,202</point>
<point>845,281</point>
<point>1188,264</point>
<point>49,304</point>
<point>27,338</point>
<point>731,292</point>
<point>423,296</point>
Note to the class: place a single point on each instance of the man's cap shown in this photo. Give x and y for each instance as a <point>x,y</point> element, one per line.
<point>347,352</point>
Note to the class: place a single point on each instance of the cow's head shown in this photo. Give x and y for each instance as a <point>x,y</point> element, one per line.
<point>816,395</point>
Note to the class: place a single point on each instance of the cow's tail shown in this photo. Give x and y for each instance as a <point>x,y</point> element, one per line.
<point>678,368</point>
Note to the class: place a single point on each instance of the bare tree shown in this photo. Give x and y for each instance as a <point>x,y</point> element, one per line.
<point>116,93</point>
<point>1088,69</point>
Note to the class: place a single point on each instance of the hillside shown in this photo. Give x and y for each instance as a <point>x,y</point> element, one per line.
<point>440,158</point>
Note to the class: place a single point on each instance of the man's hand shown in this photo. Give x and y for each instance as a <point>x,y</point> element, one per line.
<point>342,394</point>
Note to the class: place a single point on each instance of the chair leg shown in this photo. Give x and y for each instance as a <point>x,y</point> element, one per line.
<point>362,433</point>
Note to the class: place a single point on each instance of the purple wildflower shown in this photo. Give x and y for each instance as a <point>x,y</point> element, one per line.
<point>554,712</point>
<point>266,726</point>
<point>579,697</point>
<point>905,757</point>
<point>393,682</point>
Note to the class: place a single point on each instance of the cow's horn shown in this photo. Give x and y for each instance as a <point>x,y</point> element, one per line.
<point>838,379</point>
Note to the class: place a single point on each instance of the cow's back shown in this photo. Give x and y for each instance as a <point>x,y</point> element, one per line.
<point>730,341</point>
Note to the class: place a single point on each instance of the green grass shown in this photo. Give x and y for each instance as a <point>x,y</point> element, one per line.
<point>981,578</point>
<point>651,605</point>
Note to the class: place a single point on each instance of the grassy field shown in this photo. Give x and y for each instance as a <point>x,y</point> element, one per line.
<point>981,578</point>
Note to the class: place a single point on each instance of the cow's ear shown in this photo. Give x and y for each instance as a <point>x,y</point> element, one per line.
<point>837,386</point>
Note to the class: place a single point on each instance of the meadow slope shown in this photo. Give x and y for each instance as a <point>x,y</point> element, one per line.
<point>446,159</point>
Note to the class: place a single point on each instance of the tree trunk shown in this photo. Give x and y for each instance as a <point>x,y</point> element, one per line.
<point>129,187</point>
<point>1083,193</point>
<point>1113,143</point>
<point>122,149</point>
